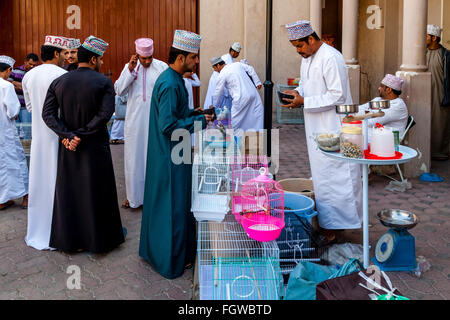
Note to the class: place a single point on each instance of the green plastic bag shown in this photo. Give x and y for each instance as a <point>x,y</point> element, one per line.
<point>385,297</point>
<point>304,278</point>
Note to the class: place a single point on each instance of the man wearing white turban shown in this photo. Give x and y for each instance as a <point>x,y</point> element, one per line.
<point>324,83</point>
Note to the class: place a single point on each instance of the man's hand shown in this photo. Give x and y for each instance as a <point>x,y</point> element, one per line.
<point>208,118</point>
<point>297,102</point>
<point>71,144</point>
<point>74,143</point>
<point>199,109</point>
<point>259,87</point>
<point>133,62</point>
<point>17,85</point>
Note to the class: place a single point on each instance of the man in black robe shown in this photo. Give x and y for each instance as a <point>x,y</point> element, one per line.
<point>86,213</point>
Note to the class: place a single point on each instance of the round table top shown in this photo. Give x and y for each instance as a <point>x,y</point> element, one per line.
<point>408,155</point>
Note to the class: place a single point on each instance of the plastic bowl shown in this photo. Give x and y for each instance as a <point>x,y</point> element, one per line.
<point>299,205</point>
<point>328,140</point>
<point>263,228</point>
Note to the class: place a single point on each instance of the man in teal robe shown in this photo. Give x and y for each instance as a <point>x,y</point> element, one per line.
<point>168,227</point>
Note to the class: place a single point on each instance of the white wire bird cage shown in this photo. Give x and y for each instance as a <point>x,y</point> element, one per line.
<point>210,188</point>
<point>243,169</point>
<point>234,267</point>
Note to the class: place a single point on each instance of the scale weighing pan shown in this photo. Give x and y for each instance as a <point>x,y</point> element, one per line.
<point>398,219</point>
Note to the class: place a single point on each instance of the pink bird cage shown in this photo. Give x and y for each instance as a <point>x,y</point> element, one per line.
<point>262,208</point>
<point>244,169</point>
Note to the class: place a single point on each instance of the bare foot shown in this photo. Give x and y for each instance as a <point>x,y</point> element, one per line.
<point>6,205</point>
<point>25,202</point>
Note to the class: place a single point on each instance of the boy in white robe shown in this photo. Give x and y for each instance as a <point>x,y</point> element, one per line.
<point>138,79</point>
<point>13,164</point>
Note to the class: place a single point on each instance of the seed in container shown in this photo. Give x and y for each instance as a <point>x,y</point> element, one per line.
<point>351,150</point>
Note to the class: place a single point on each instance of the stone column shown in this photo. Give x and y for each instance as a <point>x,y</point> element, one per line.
<point>350,45</point>
<point>315,8</point>
<point>414,36</point>
<point>417,85</point>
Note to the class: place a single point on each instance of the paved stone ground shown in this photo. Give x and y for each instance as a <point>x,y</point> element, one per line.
<point>26,273</point>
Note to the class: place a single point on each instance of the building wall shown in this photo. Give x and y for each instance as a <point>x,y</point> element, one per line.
<point>379,50</point>
<point>6,21</point>
<point>435,11</point>
<point>118,22</point>
<point>245,21</point>
<point>446,23</point>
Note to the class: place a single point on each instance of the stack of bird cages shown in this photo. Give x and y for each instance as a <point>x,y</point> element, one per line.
<point>286,115</point>
<point>299,242</point>
<point>243,169</point>
<point>234,267</point>
<point>262,208</point>
<point>210,188</point>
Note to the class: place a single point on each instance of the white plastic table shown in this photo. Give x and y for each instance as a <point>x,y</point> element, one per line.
<point>408,155</point>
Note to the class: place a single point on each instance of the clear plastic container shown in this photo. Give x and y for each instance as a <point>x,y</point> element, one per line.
<point>352,142</point>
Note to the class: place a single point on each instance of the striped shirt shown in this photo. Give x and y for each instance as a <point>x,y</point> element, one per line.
<point>17,75</point>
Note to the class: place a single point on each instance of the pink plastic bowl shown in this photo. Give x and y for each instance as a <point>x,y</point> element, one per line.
<point>261,227</point>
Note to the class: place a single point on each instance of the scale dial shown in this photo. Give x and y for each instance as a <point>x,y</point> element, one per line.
<point>384,248</point>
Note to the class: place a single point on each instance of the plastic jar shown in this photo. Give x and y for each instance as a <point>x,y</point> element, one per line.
<point>352,142</point>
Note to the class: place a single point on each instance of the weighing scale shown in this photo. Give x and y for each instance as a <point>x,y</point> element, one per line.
<point>395,250</point>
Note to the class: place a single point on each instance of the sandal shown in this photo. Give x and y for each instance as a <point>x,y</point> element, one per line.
<point>431,177</point>
<point>6,205</point>
<point>113,142</point>
<point>126,204</point>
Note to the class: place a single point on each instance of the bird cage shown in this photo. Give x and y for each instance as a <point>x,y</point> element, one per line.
<point>232,266</point>
<point>218,142</point>
<point>262,208</point>
<point>24,132</point>
<point>210,188</point>
<point>243,169</point>
<point>299,242</point>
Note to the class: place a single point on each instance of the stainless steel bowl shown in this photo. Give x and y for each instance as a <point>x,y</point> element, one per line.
<point>379,104</point>
<point>347,108</point>
<point>398,219</point>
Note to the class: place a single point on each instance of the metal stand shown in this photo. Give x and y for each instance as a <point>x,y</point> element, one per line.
<point>408,155</point>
